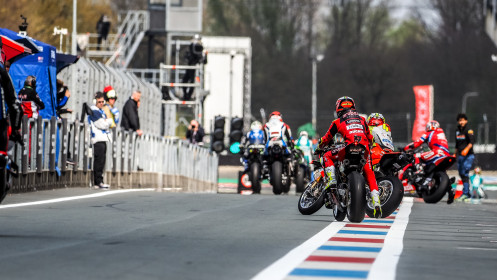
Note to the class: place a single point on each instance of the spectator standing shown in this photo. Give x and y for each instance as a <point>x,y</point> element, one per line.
<point>130,119</point>
<point>464,152</point>
<point>110,110</point>
<point>195,133</point>
<point>30,100</point>
<point>103,28</point>
<point>63,95</point>
<point>100,135</point>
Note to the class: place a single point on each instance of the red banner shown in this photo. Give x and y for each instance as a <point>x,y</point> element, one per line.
<point>424,109</point>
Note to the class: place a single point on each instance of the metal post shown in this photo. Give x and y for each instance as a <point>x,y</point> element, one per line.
<point>314,97</point>
<point>39,144</point>
<point>64,139</point>
<point>409,129</point>
<point>465,98</point>
<point>53,136</point>
<point>25,149</point>
<point>74,26</point>
<point>232,56</point>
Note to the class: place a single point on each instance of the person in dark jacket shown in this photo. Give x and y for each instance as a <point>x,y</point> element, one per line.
<point>130,120</point>
<point>30,100</point>
<point>465,139</point>
<point>195,133</point>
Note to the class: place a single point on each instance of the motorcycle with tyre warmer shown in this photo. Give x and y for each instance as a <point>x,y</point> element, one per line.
<point>254,158</point>
<point>386,165</point>
<point>348,198</point>
<point>416,172</point>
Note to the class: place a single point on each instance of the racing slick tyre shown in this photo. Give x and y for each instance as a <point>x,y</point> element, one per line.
<point>300,179</point>
<point>255,177</point>
<point>276,180</point>
<point>439,189</point>
<point>391,193</point>
<point>356,207</point>
<point>311,199</point>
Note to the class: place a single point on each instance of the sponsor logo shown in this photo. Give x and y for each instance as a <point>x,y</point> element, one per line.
<point>354,126</point>
<point>352,121</point>
<point>470,132</point>
<point>346,104</point>
<point>356,131</point>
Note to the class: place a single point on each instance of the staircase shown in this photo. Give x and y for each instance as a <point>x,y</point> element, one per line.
<point>122,45</point>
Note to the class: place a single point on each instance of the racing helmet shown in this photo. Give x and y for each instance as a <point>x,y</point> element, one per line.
<point>432,125</point>
<point>477,170</point>
<point>344,104</point>
<point>109,93</point>
<point>375,119</point>
<point>256,125</point>
<point>338,139</point>
<point>304,133</point>
<point>276,114</point>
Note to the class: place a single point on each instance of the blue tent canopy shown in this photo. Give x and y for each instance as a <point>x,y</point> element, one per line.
<point>43,66</point>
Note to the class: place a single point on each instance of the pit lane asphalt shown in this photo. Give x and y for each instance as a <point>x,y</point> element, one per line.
<point>161,235</point>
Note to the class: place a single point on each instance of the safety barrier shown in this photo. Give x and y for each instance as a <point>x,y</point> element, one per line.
<point>57,153</point>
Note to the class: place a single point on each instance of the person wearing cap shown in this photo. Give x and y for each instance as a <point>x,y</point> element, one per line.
<point>110,109</point>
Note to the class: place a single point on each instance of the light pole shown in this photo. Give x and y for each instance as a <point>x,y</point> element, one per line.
<point>232,56</point>
<point>74,27</point>
<point>465,98</point>
<point>315,61</point>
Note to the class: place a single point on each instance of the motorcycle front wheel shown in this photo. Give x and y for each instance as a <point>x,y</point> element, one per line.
<point>255,177</point>
<point>276,180</point>
<point>439,189</point>
<point>299,180</point>
<point>391,193</point>
<point>311,199</point>
<point>356,205</point>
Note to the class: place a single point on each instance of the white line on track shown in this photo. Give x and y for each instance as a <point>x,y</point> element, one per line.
<point>385,265</point>
<point>383,268</point>
<point>283,266</point>
<point>56,200</point>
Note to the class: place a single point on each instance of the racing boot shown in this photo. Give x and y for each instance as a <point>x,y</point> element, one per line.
<point>330,173</point>
<point>375,199</point>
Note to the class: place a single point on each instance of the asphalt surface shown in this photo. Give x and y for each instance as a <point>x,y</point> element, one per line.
<point>160,235</point>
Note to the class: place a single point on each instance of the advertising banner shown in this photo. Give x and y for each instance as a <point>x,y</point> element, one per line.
<point>424,109</point>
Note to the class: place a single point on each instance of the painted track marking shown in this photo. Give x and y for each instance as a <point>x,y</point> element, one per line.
<point>64,199</point>
<point>368,250</point>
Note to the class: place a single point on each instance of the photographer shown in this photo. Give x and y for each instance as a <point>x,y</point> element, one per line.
<point>195,133</point>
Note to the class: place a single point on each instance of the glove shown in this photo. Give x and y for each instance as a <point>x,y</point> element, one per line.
<point>15,115</point>
<point>16,137</point>
<point>317,151</point>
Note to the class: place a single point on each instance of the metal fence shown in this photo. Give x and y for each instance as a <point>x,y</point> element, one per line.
<point>57,146</point>
<point>86,77</point>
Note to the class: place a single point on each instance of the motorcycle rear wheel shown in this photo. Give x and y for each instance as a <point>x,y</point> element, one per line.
<point>276,180</point>
<point>356,208</point>
<point>308,203</point>
<point>439,189</point>
<point>391,193</point>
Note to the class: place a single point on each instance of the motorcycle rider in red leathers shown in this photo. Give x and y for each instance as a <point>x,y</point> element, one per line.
<point>353,128</point>
<point>439,148</point>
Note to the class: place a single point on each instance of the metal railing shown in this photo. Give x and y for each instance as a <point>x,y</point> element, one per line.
<point>57,146</point>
